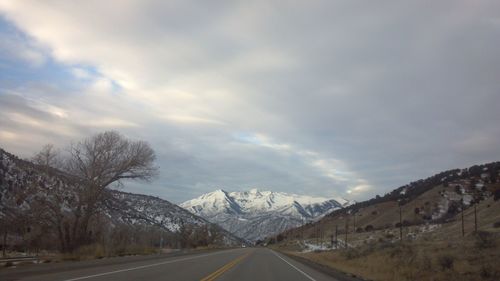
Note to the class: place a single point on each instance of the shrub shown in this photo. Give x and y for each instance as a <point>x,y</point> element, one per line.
<point>446,261</point>
<point>496,224</point>
<point>484,240</point>
<point>280,238</point>
<point>496,194</point>
<point>351,253</point>
<point>486,271</point>
<point>369,227</point>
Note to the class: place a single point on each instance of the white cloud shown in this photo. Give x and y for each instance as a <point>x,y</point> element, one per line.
<point>14,46</point>
<point>338,91</point>
<point>81,73</point>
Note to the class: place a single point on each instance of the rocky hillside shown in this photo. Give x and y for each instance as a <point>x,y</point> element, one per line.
<point>30,194</point>
<point>420,207</point>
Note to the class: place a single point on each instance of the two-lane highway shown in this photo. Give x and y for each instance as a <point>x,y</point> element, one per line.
<point>236,264</point>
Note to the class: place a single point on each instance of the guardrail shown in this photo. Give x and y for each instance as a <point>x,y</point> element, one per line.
<point>18,259</point>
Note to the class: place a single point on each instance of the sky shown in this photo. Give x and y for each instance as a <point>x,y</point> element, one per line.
<point>326,98</point>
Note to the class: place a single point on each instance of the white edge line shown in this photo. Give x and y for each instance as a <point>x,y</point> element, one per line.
<point>140,267</point>
<point>305,274</point>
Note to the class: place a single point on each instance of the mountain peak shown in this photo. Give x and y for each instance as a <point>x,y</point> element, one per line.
<point>255,214</point>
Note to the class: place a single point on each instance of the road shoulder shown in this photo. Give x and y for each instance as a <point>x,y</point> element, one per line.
<point>341,276</point>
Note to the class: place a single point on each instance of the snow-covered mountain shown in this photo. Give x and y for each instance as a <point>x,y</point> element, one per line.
<point>257,214</point>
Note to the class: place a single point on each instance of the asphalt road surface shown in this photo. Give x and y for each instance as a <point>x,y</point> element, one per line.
<point>237,264</point>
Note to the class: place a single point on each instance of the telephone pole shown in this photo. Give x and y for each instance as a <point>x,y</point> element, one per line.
<point>346,229</point>
<point>302,228</point>
<point>336,237</point>
<point>354,223</point>
<point>462,211</point>
<point>317,234</point>
<point>475,217</point>
<point>400,223</point>
<point>161,243</point>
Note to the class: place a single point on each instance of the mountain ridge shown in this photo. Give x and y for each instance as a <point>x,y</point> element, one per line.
<point>256,214</point>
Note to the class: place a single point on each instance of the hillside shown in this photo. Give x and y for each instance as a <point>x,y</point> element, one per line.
<point>256,214</point>
<point>437,199</point>
<point>37,204</point>
<point>427,214</point>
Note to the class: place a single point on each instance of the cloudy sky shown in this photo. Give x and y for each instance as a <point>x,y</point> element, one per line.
<point>329,98</point>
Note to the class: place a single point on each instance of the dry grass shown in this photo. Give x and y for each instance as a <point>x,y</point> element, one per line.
<point>97,251</point>
<point>435,254</point>
<point>466,259</point>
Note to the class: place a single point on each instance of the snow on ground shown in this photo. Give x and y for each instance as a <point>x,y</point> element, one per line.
<point>312,247</point>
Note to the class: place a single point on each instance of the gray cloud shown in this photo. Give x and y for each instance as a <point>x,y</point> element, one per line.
<point>326,98</point>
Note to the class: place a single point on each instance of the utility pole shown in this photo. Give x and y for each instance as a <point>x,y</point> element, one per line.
<point>346,229</point>
<point>336,237</point>
<point>463,228</point>
<point>400,223</point>
<point>354,223</point>
<point>317,234</point>
<point>161,243</point>
<point>475,217</point>
<point>414,213</point>
<point>322,236</point>
<point>302,228</point>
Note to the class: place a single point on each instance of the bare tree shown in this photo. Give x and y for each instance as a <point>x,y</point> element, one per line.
<point>48,157</point>
<point>97,162</point>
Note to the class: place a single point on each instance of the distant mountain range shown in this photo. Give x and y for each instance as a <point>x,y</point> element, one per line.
<point>256,214</point>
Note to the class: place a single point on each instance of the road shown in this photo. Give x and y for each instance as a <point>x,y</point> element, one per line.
<point>236,264</point>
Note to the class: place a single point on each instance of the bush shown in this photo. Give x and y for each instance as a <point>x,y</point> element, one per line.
<point>280,238</point>
<point>496,224</point>
<point>485,240</point>
<point>496,194</point>
<point>389,236</point>
<point>351,253</point>
<point>446,261</point>
<point>486,271</point>
<point>369,227</point>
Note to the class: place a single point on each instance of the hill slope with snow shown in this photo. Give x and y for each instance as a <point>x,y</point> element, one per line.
<point>257,214</point>
<point>28,190</point>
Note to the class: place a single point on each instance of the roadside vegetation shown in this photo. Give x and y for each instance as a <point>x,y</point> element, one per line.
<point>65,204</point>
<point>446,227</point>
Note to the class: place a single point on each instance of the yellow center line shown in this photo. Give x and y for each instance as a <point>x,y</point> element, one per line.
<point>225,268</point>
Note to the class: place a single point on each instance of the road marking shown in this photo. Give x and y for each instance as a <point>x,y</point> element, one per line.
<point>305,274</point>
<point>142,266</point>
<point>225,268</point>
